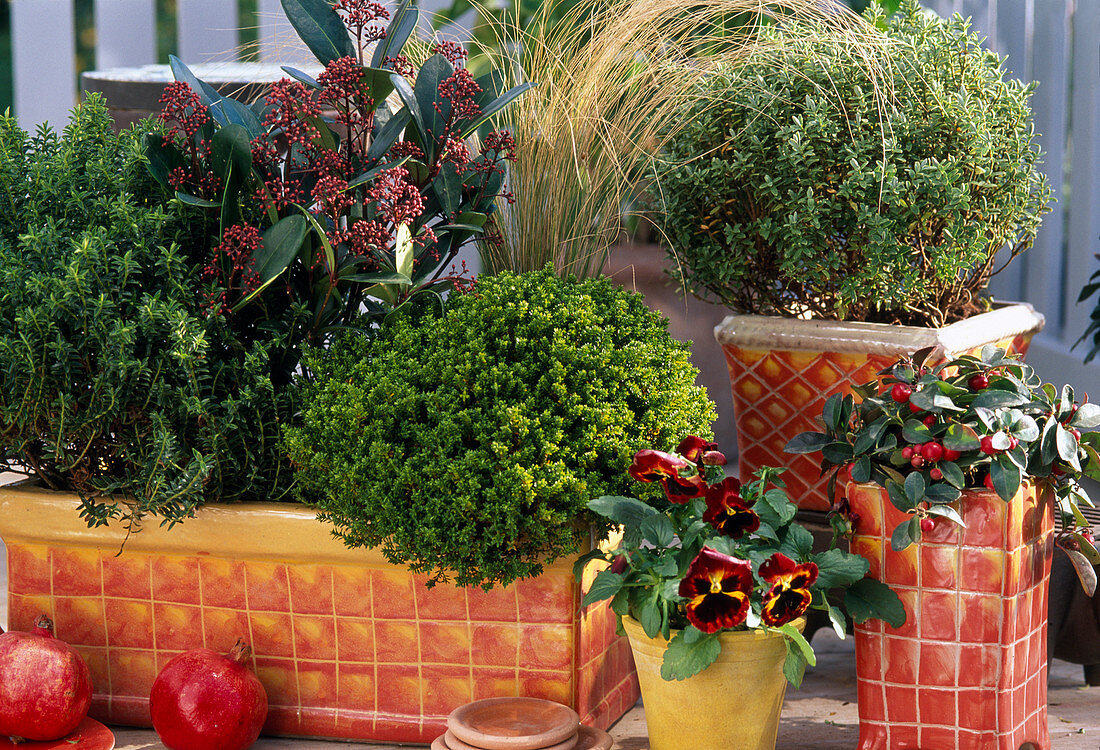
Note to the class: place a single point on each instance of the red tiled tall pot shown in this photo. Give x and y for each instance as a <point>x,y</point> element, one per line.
<point>968,669</point>
<point>347,645</point>
<point>783,369</point>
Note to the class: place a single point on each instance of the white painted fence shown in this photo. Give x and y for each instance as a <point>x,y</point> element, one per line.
<point>1054,42</point>
<point>1051,41</point>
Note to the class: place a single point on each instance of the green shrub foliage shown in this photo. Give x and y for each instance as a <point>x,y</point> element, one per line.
<point>468,444</point>
<point>813,180</point>
<point>114,381</point>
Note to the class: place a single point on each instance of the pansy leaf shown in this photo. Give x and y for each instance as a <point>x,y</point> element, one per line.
<point>961,437</point>
<point>650,616</point>
<point>1006,477</point>
<point>625,511</point>
<point>869,598</point>
<point>794,665</point>
<point>582,562</point>
<point>839,622</point>
<point>686,658</point>
<point>947,511</point>
<point>942,493</point>
<point>807,442</point>
<point>798,542</point>
<point>776,507</point>
<point>605,585</point>
<point>658,531</point>
<point>836,567</point>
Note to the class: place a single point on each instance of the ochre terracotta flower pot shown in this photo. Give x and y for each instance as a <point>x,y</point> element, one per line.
<point>347,645</point>
<point>968,669</point>
<point>783,369</point>
<point>733,703</point>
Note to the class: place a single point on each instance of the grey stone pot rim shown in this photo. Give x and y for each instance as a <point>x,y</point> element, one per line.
<point>762,332</point>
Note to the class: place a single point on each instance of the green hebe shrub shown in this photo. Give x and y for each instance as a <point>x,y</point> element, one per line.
<point>469,443</point>
<point>813,179</point>
<point>114,378</point>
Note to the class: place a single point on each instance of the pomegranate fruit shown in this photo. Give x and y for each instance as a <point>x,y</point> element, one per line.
<point>45,686</point>
<point>202,700</point>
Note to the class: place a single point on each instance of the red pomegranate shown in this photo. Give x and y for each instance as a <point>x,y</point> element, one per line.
<point>45,686</point>
<point>202,700</point>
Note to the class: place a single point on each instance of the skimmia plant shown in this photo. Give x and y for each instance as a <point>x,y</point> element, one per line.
<point>342,194</point>
<point>926,433</point>
<point>721,555</point>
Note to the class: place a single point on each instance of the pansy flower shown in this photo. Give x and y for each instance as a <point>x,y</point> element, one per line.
<point>717,588</point>
<point>790,594</point>
<point>658,466</point>
<point>700,452</point>
<point>728,512</point>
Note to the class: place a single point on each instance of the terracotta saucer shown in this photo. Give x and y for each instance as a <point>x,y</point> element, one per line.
<point>88,735</point>
<point>513,723</point>
<point>590,738</point>
<point>439,744</point>
<point>454,743</point>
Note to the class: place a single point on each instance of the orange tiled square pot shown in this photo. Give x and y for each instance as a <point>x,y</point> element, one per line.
<point>968,669</point>
<point>347,645</point>
<point>783,369</point>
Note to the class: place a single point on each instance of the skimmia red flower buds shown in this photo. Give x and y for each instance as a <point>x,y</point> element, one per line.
<point>717,588</point>
<point>790,594</point>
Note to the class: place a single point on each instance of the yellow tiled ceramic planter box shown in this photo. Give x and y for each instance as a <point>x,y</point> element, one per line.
<point>346,644</point>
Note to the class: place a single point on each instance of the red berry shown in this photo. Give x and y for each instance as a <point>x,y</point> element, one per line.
<point>927,524</point>
<point>988,481</point>
<point>987,446</point>
<point>936,474</point>
<point>914,408</point>
<point>907,452</point>
<point>916,462</point>
<point>1075,432</point>
<point>932,451</point>
<point>978,382</point>
<point>901,392</point>
<point>950,455</point>
<point>929,420</point>
<point>1012,442</point>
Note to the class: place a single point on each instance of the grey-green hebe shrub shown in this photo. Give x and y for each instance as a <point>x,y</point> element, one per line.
<point>469,444</point>
<point>814,179</point>
<point>115,381</point>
